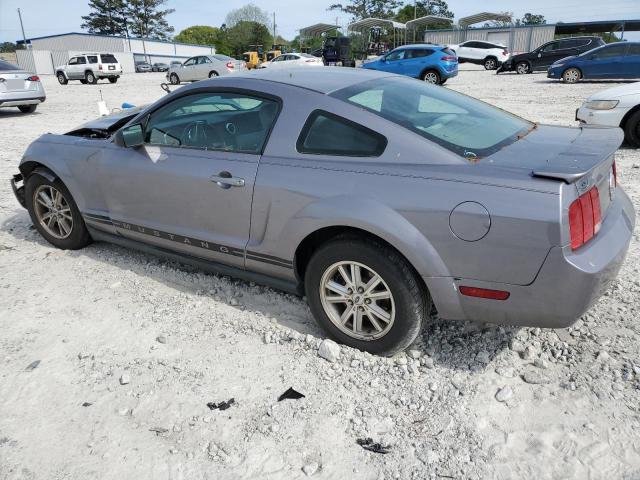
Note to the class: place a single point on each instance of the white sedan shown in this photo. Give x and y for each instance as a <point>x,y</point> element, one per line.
<point>287,60</point>
<point>615,107</point>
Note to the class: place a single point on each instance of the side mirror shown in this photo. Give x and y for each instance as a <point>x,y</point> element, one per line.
<point>132,136</point>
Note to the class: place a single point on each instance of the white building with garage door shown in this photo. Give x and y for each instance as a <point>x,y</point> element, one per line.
<point>44,54</point>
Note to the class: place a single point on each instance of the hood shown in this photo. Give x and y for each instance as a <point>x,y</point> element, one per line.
<point>564,153</point>
<point>108,121</point>
<point>616,92</point>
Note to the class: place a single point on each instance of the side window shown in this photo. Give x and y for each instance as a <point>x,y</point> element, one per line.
<point>73,61</point>
<point>231,122</point>
<point>611,51</point>
<point>472,45</point>
<point>92,58</point>
<point>549,47</point>
<point>634,49</point>
<point>82,60</point>
<point>191,61</point>
<point>327,134</point>
<point>397,55</point>
<point>203,60</point>
<point>423,52</point>
<point>582,42</point>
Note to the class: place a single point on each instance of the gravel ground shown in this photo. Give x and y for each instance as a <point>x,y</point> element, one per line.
<point>132,348</point>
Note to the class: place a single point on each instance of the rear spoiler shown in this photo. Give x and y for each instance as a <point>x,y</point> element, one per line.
<point>583,156</point>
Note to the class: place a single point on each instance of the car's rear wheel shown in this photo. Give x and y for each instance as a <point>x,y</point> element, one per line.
<point>522,68</point>
<point>28,108</point>
<point>113,79</point>
<point>431,76</point>
<point>490,63</point>
<point>365,295</point>
<point>55,214</point>
<point>174,79</point>
<point>632,130</point>
<point>571,75</point>
<point>213,74</point>
<point>90,78</point>
<point>62,80</point>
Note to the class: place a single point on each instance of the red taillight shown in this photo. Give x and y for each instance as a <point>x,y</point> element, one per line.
<point>585,218</point>
<point>230,65</point>
<point>449,58</point>
<point>34,78</point>
<point>484,293</point>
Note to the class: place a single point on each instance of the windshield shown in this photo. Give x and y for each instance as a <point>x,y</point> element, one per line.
<point>464,125</point>
<point>6,66</point>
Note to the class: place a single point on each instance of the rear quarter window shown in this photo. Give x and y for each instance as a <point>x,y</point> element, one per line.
<point>92,58</point>
<point>327,134</point>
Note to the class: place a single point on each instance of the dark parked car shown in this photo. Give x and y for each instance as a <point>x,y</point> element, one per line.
<point>616,60</point>
<point>160,67</point>
<point>545,55</point>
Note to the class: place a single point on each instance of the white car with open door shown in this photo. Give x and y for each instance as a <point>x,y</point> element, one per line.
<point>287,60</point>
<point>490,55</point>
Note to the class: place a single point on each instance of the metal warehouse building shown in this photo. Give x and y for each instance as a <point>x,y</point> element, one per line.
<point>527,38</point>
<point>46,53</point>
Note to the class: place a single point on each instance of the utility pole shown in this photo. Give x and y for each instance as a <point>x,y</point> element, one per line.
<point>24,38</point>
<point>274,28</point>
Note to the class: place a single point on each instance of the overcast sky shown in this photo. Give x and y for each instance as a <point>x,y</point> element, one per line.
<point>48,17</point>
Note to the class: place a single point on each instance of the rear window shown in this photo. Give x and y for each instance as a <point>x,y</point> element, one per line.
<point>222,58</point>
<point>461,124</point>
<point>108,58</point>
<point>448,51</point>
<point>5,66</point>
<point>327,134</point>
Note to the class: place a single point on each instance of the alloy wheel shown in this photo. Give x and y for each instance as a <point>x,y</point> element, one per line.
<point>490,64</point>
<point>571,76</point>
<point>522,68</point>
<point>53,211</point>
<point>431,77</point>
<point>357,300</point>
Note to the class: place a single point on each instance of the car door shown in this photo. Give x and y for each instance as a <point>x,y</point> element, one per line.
<point>203,67</point>
<point>187,71</point>
<point>76,68</point>
<point>188,185</point>
<point>465,50</point>
<point>547,54</point>
<point>394,61</point>
<point>605,62</point>
<point>631,61</point>
<point>416,61</point>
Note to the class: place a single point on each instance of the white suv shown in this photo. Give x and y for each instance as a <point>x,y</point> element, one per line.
<point>490,55</point>
<point>89,68</point>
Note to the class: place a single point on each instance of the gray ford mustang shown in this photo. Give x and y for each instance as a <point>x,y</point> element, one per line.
<point>378,196</point>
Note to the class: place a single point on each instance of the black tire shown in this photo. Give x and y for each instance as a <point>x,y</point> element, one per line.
<point>523,68</point>
<point>79,236</point>
<point>174,79</point>
<point>490,63</point>
<point>90,78</point>
<point>431,76</point>
<point>632,130</point>
<point>409,296</point>
<point>83,81</point>
<point>571,75</point>
<point>113,79</point>
<point>62,80</point>
<point>443,81</point>
<point>213,74</point>
<point>28,108</point>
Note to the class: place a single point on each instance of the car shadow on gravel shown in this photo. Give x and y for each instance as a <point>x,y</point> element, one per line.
<point>6,113</point>
<point>455,345</point>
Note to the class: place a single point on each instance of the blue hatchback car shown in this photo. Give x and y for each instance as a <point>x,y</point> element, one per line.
<point>431,63</point>
<point>615,60</point>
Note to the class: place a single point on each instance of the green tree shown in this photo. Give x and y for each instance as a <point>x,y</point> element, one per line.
<point>106,17</point>
<point>147,18</point>
<point>359,9</point>
<point>248,13</point>
<point>10,47</point>
<point>531,19</point>
<point>244,33</point>
<point>199,35</point>
<point>421,9</point>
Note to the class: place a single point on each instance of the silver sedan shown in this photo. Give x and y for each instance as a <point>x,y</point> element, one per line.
<point>202,67</point>
<point>19,88</point>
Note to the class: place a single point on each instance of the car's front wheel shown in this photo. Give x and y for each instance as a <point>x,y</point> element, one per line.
<point>571,75</point>
<point>632,130</point>
<point>431,76</point>
<point>490,63</point>
<point>173,78</point>
<point>365,295</point>
<point>28,108</point>
<point>55,214</point>
<point>522,68</point>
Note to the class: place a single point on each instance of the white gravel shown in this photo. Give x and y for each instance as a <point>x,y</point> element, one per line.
<point>467,401</point>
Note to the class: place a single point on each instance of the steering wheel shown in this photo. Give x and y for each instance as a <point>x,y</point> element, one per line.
<point>200,134</point>
<point>230,135</point>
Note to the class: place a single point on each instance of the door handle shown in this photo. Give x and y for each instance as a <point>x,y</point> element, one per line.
<point>226,180</point>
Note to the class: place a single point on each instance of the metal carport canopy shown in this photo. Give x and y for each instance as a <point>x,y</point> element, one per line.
<point>317,29</point>
<point>483,17</point>
<point>428,20</point>
<point>367,23</point>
